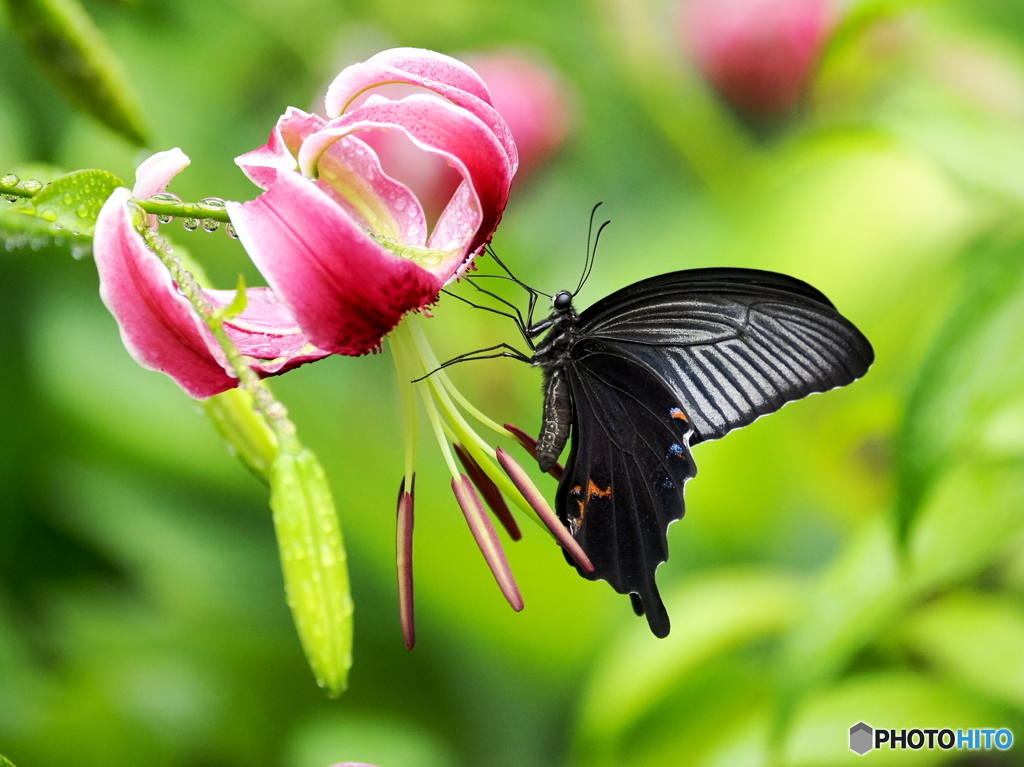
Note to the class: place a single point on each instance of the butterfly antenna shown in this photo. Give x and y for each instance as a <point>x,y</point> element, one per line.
<point>591,252</point>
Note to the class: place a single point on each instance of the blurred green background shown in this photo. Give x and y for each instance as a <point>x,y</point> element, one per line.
<point>142,619</point>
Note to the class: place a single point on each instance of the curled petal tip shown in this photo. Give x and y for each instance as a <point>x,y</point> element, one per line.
<point>406,502</point>
<point>533,496</point>
<point>487,539</point>
<point>492,495</point>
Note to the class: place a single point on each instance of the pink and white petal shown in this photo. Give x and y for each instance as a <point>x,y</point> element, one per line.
<point>351,173</point>
<point>455,232</point>
<point>444,75</point>
<point>279,153</point>
<point>417,66</point>
<point>266,331</point>
<point>440,127</point>
<point>158,326</point>
<point>345,291</point>
<point>153,175</point>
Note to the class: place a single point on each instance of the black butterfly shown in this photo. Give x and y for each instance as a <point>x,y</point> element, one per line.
<point>641,376</point>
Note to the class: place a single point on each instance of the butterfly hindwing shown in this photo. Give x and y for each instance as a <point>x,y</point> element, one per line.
<point>732,344</point>
<point>623,482</point>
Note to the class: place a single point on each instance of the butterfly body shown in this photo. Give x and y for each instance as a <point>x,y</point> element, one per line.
<point>656,367</point>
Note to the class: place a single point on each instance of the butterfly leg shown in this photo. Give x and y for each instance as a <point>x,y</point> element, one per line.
<point>511,352</point>
<point>517,318</point>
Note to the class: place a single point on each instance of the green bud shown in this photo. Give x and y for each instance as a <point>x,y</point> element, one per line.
<point>315,565</point>
<point>245,431</point>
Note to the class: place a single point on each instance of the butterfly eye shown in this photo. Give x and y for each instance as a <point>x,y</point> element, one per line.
<point>562,300</point>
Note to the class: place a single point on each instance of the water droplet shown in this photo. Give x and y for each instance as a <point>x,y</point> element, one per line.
<point>213,203</point>
<point>232,232</point>
<point>165,219</point>
<point>189,208</point>
<point>11,197</point>
<point>190,224</point>
<point>165,197</point>
<point>67,199</point>
<point>9,180</point>
<point>211,225</point>
<point>82,211</point>
<point>32,185</point>
<point>48,214</point>
<point>400,204</point>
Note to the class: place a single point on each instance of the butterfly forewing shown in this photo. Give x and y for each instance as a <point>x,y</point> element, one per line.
<point>623,482</point>
<point>731,344</point>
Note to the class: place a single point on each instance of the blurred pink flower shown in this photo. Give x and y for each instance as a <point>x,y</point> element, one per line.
<point>759,54</point>
<point>346,245</point>
<point>158,325</point>
<point>534,100</point>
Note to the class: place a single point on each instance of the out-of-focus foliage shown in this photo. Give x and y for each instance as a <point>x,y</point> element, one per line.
<point>858,556</point>
<point>72,51</point>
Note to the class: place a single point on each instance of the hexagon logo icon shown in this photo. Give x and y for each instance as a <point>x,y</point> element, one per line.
<point>862,738</point>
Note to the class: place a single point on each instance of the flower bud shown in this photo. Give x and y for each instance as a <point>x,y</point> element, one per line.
<point>759,54</point>
<point>533,99</point>
<point>315,565</point>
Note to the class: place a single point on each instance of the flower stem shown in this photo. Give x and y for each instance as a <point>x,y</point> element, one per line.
<point>474,444</point>
<point>160,205</point>
<point>409,367</point>
<point>264,402</point>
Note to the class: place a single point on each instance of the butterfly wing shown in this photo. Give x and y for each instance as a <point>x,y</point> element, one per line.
<point>623,481</point>
<point>666,363</point>
<point>731,344</point>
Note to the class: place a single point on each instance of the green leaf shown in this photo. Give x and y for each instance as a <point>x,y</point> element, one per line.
<point>71,203</point>
<point>969,522</point>
<point>975,639</point>
<point>715,615</point>
<point>5,762</point>
<point>973,379</point>
<point>77,57</point>
<point>245,431</point>
<point>315,565</point>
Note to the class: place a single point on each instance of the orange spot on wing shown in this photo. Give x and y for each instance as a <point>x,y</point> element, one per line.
<point>678,413</point>
<point>592,490</point>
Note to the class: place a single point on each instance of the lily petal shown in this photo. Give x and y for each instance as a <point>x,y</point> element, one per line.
<point>442,74</point>
<point>153,175</point>
<point>344,289</point>
<point>440,127</point>
<point>157,324</point>
<point>280,152</point>
<point>266,332</point>
<point>351,173</point>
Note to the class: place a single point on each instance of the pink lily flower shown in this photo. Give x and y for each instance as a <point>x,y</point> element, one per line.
<point>348,247</point>
<point>759,54</point>
<point>345,239</point>
<point>158,325</point>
